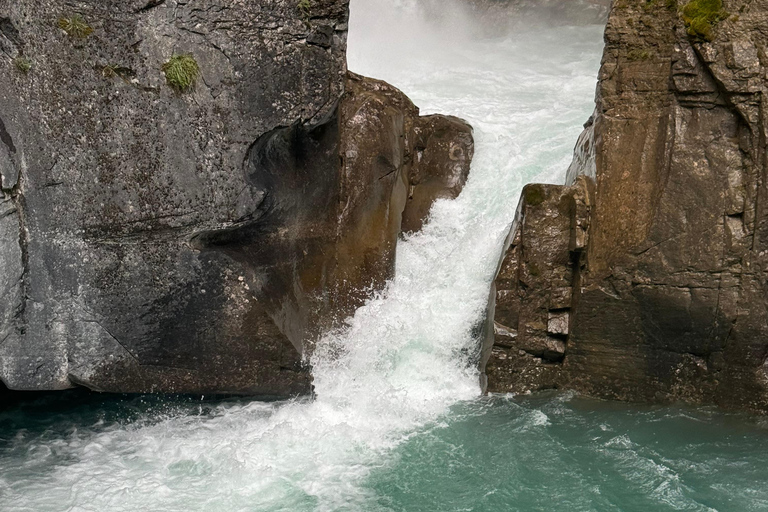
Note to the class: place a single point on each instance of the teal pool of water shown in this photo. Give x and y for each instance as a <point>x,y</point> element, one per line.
<point>546,452</point>
<point>558,452</point>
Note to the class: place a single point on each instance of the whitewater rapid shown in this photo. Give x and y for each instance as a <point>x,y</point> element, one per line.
<point>405,357</point>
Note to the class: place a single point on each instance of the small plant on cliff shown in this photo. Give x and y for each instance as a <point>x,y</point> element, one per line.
<point>181,72</point>
<point>305,8</point>
<point>22,64</point>
<point>75,26</point>
<point>700,17</point>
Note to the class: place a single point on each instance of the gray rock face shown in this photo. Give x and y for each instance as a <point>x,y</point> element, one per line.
<point>157,240</point>
<point>112,175</point>
<point>669,293</point>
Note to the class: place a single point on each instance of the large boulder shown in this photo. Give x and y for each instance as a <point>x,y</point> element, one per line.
<point>158,238</point>
<point>669,294</point>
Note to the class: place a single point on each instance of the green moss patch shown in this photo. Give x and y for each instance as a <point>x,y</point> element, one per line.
<point>701,16</point>
<point>75,26</point>
<point>181,72</point>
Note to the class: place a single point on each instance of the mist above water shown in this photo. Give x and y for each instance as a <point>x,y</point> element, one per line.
<point>405,359</point>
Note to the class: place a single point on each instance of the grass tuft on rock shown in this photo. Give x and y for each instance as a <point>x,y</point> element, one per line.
<point>305,7</point>
<point>75,26</point>
<point>22,64</point>
<point>701,16</point>
<point>181,72</point>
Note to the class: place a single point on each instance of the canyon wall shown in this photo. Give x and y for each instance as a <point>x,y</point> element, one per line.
<point>159,235</point>
<point>646,277</point>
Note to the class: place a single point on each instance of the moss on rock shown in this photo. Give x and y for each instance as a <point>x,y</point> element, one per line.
<point>701,16</point>
<point>181,72</point>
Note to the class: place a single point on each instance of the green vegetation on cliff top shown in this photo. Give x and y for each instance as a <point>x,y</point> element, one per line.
<point>534,194</point>
<point>700,17</point>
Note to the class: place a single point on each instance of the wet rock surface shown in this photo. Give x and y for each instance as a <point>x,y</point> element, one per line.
<point>159,240</point>
<point>669,292</point>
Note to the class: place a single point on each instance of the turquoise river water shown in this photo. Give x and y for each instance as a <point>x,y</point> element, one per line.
<point>398,423</point>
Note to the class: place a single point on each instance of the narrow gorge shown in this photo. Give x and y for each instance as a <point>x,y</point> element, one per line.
<point>342,255</point>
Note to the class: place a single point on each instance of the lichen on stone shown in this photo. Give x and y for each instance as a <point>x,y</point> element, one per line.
<point>701,16</point>
<point>181,72</point>
<point>75,26</point>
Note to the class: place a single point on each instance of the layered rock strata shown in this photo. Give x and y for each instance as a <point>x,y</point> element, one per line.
<point>158,238</point>
<point>665,270</point>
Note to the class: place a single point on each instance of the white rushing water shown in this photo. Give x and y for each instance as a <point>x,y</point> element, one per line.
<point>403,359</point>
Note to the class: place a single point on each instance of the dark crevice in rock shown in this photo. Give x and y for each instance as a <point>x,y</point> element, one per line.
<point>6,139</point>
<point>20,203</point>
<point>150,5</point>
<point>11,33</point>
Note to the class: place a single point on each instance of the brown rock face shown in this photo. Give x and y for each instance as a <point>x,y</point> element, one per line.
<point>387,151</point>
<point>434,176</point>
<point>669,296</point>
<point>534,287</point>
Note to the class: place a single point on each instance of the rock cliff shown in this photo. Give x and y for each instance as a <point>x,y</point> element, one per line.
<point>646,277</point>
<point>192,229</point>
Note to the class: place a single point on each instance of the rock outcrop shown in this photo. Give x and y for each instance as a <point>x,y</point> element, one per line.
<point>646,277</point>
<point>155,237</point>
